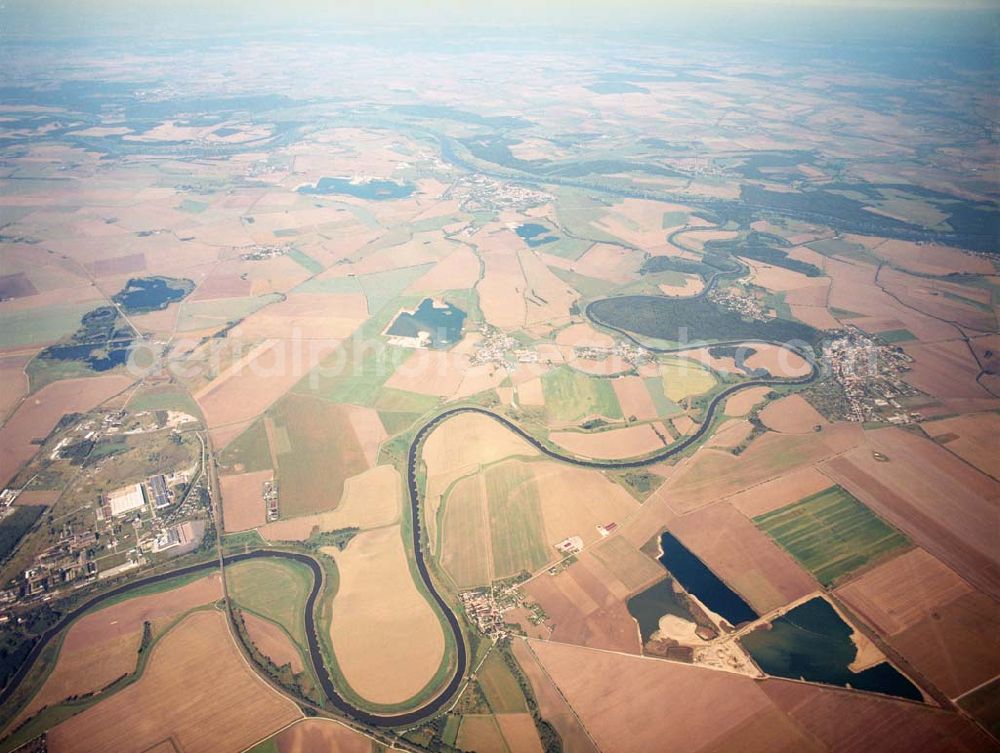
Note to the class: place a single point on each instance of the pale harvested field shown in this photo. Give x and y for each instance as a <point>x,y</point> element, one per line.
<point>371,499</point>
<point>457,271</point>
<point>480,732</point>
<point>946,300</point>
<point>854,289</point>
<point>942,504</point>
<point>612,263</point>
<point>628,442</point>
<point>197,689</point>
<point>744,557</point>
<point>84,669</point>
<point>462,444</point>
<point>479,378</point>
<point>976,439</point>
<point>778,278</point>
<point>585,604</point>
<point>158,324</point>
<point>683,424</point>
<point>697,238</point>
<point>630,703</point>
<point>633,703</point>
<point>430,372</point>
<point>608,366</point>
<point>126,617</point>
<point>780,362</point>
<point>958,646</point>
<point>224,281</point>
<point>865,722</point>
<point>40,413</point>
<point>693,285</point>
<point>815,316</point>
<point>791,415</point>
<point>639,221</point>
<point>932,259</point>
<point>530,393</point>
<point>247,388</point>
<point>582,335</point>
<point>548,298</point>
<point>575,500</point>
<point>386,637</point>
<point>712,474</point>
<point>466,549</point>
<point>272,641</point>
<point>243,500</point>
<point>501,291</point>
<point>312,316</point>
<point>319,736</point>
<point>741,403</point>
<point>730,433</point>
<point>634,398</point>
<point>368,430</point>
<point>776,493</point>
<point>903,591</point>
<point>551,704</point>
<point>520,733</point>
<point>629,565</point>
<point>934,618</point>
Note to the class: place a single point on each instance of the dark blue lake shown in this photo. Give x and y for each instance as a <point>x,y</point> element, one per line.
<point>698,580</point>
<point>151,294</point>
<point>102,357</point>
<point>647,607</point>
<point>443,322</point>
<point>812,642</point>
<point>376,190</point>
<point>534,234</point>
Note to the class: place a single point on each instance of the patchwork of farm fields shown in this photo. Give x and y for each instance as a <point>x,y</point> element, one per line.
<point>831,534</point>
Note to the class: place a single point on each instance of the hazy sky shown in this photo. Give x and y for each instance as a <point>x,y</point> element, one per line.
<point>724,17</point>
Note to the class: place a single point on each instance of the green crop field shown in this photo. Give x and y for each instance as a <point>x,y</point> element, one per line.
<point>41,326</point>
<point>324,453</point>
<point>501,689</point>
<point>463,538</point>
<point>515,519</point>
<point>164,397</point>
<point>275,589</point>
<point>305,261</point>
<point>250,449</point>
<point>830,533</point>
<point>381,288</point>
<point>570,395</point>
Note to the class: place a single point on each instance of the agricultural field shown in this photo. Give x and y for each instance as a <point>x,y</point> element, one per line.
<point>508,519</point>
<point>683,378</point>
<point>932,617</point>
<point>386,637</point>
<point>571,396</point>
<point>320,435</point>
<point>619,699</point>
<point>461,346</point>
<point>103,646</point>
<point>515,519</point>
<point>276,590</point>
<point>196,681</point>
<point>316,734</point>
<point>831,534</point>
